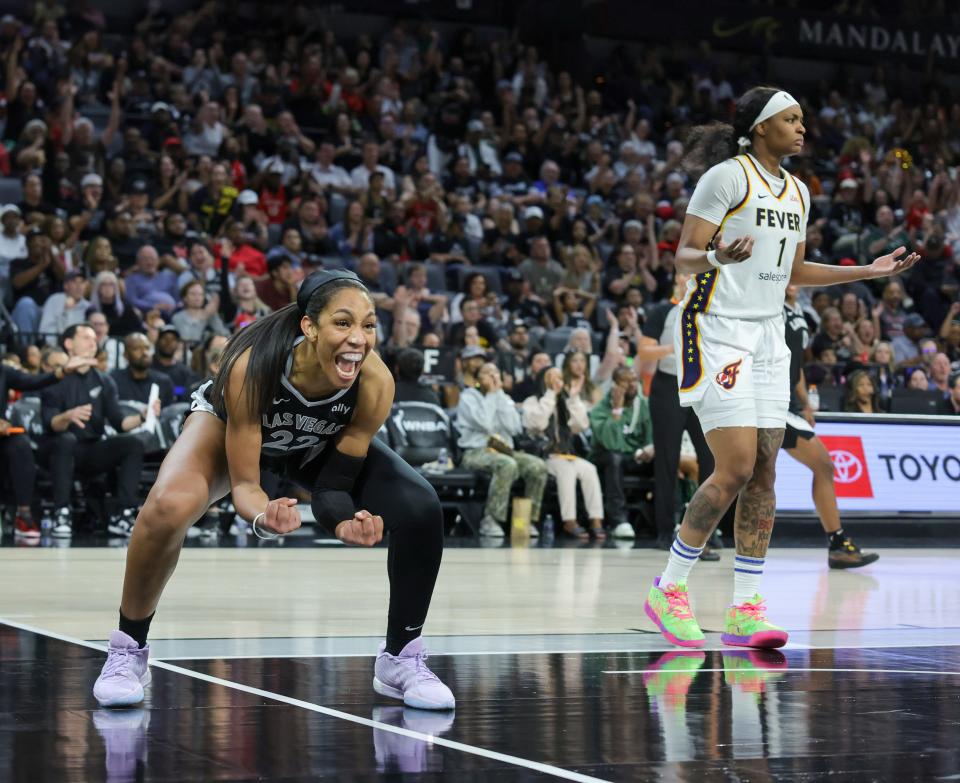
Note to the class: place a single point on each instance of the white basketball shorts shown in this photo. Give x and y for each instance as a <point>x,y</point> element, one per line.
<point>733,372</point>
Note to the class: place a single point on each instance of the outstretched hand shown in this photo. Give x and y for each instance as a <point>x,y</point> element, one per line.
<point>894,263</point>
<point>364,529</point>
<point>75,363</point>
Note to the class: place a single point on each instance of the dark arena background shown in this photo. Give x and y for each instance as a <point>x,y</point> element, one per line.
<point>510,181</point>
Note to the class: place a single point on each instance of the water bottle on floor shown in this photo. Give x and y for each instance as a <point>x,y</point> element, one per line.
<point>548,529</point>
<point>813,397</point>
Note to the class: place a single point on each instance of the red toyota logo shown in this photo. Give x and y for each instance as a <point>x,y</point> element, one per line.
<point>851,475</point>
<point>846,467</point>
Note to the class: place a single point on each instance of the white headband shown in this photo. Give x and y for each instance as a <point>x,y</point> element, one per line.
<point>777,103</point>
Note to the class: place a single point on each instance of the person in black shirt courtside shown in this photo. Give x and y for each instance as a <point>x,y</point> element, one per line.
<point>74,415</point>
<point>134,381</point>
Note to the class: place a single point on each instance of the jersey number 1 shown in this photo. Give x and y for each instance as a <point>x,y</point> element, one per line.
<point>783,244</point>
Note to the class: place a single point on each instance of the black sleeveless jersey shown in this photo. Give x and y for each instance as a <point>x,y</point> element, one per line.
<point>295,430</point>
<point>797,337</point>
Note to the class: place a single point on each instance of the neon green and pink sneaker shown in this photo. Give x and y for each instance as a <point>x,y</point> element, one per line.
<point>747,626</point>
<point>749,671</point>
<point>669,608</point>
<point>671,676</point>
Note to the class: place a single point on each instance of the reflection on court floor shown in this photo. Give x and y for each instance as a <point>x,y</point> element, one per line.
<point>575,685</point>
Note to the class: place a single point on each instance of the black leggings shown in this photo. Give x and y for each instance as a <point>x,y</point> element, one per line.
<point>388,487</point>
<point>670,419</point>
<point>68,457</point>
<point>16,457</point>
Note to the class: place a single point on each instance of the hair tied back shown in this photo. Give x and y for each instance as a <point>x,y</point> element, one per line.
<point>319,279</point>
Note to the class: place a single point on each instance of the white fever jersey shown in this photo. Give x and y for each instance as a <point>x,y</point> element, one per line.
<point>743,199</point>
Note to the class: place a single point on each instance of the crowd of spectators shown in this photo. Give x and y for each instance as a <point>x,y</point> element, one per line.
<point>171,184</point>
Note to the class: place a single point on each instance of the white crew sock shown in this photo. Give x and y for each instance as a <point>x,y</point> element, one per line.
<point>681,560</point>
<point>747,572</point>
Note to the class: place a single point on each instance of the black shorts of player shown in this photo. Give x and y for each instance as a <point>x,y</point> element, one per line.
<point>792,435</point>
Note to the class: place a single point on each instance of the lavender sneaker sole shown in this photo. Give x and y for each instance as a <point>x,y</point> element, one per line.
<point>125,699</point>
<point>409,699</point>
<point>762,639</point>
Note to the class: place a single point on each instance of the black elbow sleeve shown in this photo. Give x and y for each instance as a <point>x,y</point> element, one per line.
<point>339,471</point>
<point>331,507</point>
<point>331,501</point>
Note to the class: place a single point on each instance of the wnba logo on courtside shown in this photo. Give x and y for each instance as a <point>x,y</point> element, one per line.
<point>727,377</point>
<point>851,475</point>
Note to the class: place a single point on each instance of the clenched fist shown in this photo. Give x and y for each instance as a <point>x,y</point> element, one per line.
<point>364,529</point>
<point>282,516</point>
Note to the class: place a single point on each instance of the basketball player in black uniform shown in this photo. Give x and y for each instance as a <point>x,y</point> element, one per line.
<point>801,443</point>
<point>300,394</point>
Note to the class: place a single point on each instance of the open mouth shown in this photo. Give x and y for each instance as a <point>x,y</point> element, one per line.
<point>348,364</point>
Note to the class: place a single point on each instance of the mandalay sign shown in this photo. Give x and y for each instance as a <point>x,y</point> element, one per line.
<point>777,31</point>
<point>879,38</point>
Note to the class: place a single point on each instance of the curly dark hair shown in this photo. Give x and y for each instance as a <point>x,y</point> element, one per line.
<point>708,145</point>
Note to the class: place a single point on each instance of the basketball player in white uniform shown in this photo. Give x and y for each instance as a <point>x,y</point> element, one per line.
<point>743,239</point>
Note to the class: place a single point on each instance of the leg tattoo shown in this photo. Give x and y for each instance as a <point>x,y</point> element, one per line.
<point>705,509</point>
<point>768,444</point>
<point>757,505</point>
<point>754,521</point>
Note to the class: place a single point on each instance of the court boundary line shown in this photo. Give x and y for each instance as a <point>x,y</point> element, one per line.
<point>432,654</point>
<point>493,755</point>
<point>799,646</point>
<point>629,632</point>
<point>792,670</point>
<point>723,648</point>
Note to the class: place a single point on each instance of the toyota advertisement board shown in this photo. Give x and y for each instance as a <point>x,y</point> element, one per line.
<point>881,467</point>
